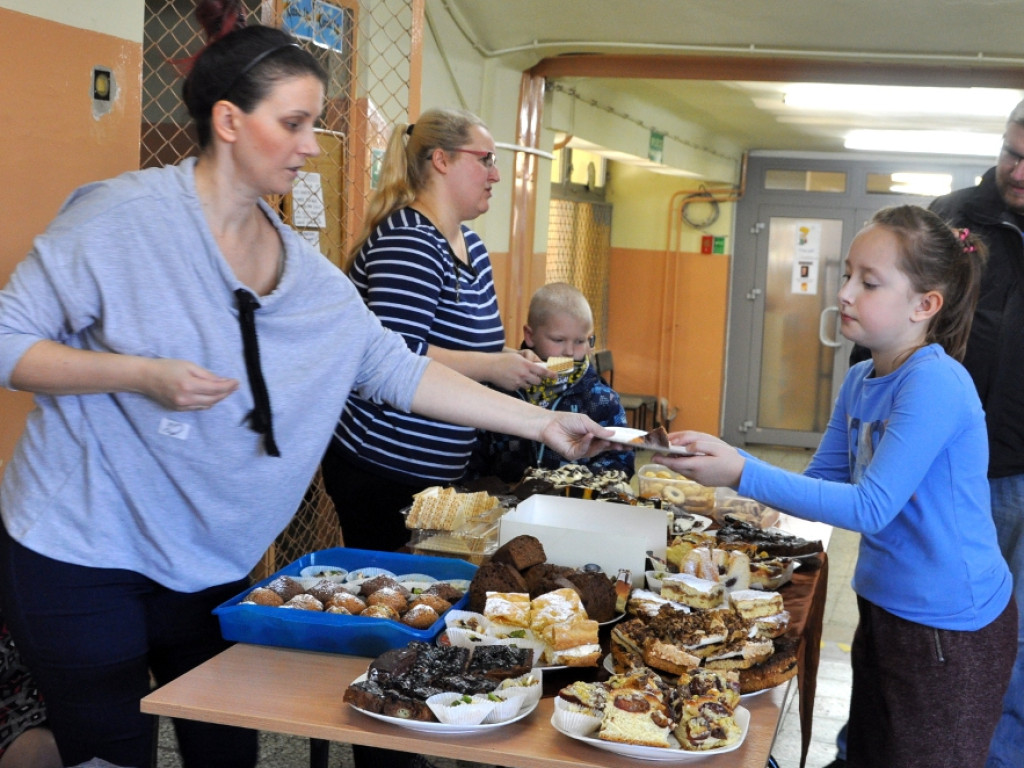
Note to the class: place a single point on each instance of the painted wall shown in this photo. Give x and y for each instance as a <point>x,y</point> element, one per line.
<point>53,142</point>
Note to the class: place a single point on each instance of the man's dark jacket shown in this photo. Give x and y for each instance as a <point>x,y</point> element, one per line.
<point>995,349</point>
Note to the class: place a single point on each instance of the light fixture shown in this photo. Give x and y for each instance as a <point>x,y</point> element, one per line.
<point>929,142</point>
<point>902,100</point>
<point>923,184</point>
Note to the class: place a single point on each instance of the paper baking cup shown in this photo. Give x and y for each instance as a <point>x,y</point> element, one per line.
<point>329,572</point>
<point>466,638</point>
<point>457,618</point>
<point>472,712</point>
<point>502,710</point>
<point>573,721</point>
<point>529,686</point>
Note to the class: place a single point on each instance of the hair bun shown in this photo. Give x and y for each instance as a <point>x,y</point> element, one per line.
<point>220,17</point>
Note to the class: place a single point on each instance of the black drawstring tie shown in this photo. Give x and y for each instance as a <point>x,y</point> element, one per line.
<point>259,417</point>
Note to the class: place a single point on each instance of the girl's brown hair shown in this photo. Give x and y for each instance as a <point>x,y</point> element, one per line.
<point>936,257</point>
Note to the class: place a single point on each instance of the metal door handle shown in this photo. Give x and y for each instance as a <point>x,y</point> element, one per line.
<point>823,322</point>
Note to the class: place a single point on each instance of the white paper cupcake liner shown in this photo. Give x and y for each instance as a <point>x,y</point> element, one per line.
<point>470,712</point>
<point>505,709</point>
<point>464,619</point>
<point>529,687</point>
<point>572,721</point>
<point>465,638</point>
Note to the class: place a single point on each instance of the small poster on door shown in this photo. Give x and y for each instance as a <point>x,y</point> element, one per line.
<point>805,276</point>
<point>808,240</point>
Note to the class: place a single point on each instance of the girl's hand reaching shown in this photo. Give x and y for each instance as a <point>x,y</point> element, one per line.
<point>718,463</point>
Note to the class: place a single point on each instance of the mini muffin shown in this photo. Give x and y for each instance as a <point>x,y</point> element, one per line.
<point>325,589</point>
<point>304,602</point>
<point>445,591</point>
<point>420,616</point>
<point>389,596</point>
<point>351,603</point>
<point>380,611</point>
<point>264,596</point>
<point>286,587</point>
<point>338,609</point>
<point>439,604</point>
<point>370,586</point>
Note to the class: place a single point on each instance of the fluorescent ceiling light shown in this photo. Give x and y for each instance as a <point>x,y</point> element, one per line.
<point>930,142</point>
<point>902,100</point>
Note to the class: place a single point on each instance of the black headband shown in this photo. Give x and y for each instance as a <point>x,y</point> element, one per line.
<point>255,60</point>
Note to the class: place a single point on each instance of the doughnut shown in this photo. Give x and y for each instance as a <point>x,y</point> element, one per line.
<point>673,494</point>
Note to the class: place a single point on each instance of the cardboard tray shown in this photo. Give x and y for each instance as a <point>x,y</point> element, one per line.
<point>315,631</point>
<point>575,532</point>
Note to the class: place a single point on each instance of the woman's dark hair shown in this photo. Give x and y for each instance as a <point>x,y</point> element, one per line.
<point>937,258</point>
<point>240,64</point>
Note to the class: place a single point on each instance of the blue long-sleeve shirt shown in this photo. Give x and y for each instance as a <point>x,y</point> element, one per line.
<point>903,461</point>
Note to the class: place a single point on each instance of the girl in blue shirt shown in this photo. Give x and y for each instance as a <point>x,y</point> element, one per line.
<point>903,462</point>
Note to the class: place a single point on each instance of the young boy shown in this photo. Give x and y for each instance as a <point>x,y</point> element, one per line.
<point>560,324</point>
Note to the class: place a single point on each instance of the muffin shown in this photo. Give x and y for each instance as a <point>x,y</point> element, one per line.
<point>324,589</point>
<point>351,603</point>
<point>390,597</point>
<point>370,586</point>
<point>286,587</point>
<point>420,617</point>
<point>304,602</point>
<point>439,604</point>
<point>264,596</point>
<point>380,611</point>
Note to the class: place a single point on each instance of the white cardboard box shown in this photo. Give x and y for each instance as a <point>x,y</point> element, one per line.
<point>575,532</point>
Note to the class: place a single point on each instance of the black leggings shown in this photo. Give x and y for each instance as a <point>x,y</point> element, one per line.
<point>925,697</point>
<point>91,636</point>
<point>368,504</point>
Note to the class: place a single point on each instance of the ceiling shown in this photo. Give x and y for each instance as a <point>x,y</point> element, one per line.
<point>724,64</point>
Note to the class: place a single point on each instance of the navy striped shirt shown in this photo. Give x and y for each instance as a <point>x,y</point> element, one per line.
<point>409,277</point>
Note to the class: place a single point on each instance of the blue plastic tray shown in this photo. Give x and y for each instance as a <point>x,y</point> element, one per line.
<point>333,633</point>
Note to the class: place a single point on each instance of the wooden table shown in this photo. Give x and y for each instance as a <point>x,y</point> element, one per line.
<point>300,693</point>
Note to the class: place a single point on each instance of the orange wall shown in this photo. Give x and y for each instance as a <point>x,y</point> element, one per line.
<point>666,327</point>
<point>52,143</point>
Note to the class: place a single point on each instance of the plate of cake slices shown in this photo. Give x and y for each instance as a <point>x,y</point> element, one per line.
<point>527,705</point>
<point>674,753</point>
<point>656,440</point>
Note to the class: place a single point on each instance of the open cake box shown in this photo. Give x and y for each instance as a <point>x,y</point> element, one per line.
<point>576,532</point>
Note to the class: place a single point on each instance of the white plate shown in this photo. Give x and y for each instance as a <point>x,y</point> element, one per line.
<point>616,618</point>
<point>449,730</point>
<point>626,436</point>
<point>662,754</point>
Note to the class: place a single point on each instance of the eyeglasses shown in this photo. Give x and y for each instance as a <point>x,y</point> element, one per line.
<point>1010,157</point>
<point>487,159</point>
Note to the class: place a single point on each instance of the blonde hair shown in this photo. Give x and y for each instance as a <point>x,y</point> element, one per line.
<point>558,298</point>
<point>405,167</point>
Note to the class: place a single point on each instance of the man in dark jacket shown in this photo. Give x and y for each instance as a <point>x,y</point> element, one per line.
<point>995,359</point>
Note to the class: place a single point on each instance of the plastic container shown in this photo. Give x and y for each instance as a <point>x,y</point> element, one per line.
<point>334,633</point>
<point>657,481</point>
<point>729,505</point>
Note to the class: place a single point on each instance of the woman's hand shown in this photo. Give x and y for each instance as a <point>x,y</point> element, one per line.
<point>511,371</point>
<point>718,463</point>
<point>183,386</point>
<point>574,435</point>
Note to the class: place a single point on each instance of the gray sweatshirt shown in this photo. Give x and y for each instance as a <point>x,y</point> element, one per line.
<point>190,499</point>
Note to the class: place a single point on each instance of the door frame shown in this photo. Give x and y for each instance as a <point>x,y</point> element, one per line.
<point>749,267</point>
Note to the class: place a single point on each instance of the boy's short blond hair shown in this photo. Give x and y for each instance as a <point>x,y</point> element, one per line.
<point>558,298</point>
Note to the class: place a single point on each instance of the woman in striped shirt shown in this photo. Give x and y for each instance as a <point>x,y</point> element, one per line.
<point>427,276</point>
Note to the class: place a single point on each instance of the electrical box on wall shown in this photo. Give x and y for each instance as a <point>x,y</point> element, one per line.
<point>712,244</point>
<point>103,91</point>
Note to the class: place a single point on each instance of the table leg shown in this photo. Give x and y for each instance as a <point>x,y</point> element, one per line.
<point>319,752</point>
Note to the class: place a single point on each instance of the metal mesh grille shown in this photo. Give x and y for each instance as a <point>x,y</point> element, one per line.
<point>579,241</point>
<point>366,47</point>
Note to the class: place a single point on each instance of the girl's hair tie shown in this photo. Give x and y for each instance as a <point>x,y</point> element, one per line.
<point>964,235</point>
<point>408,130</point>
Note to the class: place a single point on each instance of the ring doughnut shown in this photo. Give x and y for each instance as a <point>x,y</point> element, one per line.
<point>673,494</point>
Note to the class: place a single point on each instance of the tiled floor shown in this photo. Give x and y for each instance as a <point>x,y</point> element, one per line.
<point>830,705</point>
